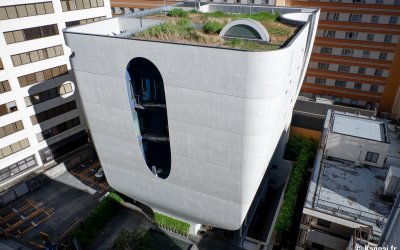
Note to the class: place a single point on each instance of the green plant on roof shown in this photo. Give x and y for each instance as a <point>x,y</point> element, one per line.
<point>212,27</point>
<point>178,13</point>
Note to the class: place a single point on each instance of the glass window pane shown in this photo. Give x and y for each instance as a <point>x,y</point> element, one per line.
<point>64,6</point>
<point>72,5</point>
<point>59,50</point>
<point>30,8</point>
<point>6,151</point>
<point>15,147</point>
<point>40,8</point>
<point>86,4</point>
<point>24,143</point>
<point>39,76</point>
<point>19,36</point>
<point>25,58</point>
<point>34,120</point>
<point>34,56</point>
<point>79,4</point>
<point>20,125</point>
<point>93,3</point>
<point>55,71</point>
<point>28,102</point>
<point>11,12</point>
<point>48,7</point>
<point>22,11</point>
<point>9,37</point>
<point>68,88</point>
<point>3,14</point>
<point>16,59</point>
<point>51,52</point>
<point>100,3</point>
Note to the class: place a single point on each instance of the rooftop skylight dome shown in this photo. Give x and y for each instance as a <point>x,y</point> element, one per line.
<point>246,29</point>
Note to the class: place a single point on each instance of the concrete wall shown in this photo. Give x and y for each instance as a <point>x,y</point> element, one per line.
<point>355,149</point>
<point>226,112</point>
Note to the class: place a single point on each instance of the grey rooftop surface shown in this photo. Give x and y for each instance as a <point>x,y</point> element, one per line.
<point>359,127</point>
<point>341,189</point>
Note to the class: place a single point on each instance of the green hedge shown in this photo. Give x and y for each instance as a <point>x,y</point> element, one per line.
<point>304,150</point>
<point>171,223</point>
<point>97,218</point>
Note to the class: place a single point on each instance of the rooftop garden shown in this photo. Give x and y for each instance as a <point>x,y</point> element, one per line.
<point>194,27</point>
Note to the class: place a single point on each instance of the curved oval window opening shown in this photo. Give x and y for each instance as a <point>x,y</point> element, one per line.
<point>149,111</point>
<point>243,31</point>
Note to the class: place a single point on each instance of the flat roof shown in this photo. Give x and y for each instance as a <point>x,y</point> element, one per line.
<point>339,188</point>
<point>359,127</point>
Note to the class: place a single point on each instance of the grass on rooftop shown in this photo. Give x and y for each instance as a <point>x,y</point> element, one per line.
<point>203,28</point>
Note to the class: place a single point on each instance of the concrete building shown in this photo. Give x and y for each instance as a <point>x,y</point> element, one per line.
<point>123,7</point>
<point>346,205</point>
<point>188,129</point>
<point>40,115</point>
<point>356,55</point>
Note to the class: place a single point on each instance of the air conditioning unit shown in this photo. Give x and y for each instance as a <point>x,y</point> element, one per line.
<point>392,182</point>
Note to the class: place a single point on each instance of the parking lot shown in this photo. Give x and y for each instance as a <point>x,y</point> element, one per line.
<point>53,207</point>
<point>86,172</point>
<point>22,216</point>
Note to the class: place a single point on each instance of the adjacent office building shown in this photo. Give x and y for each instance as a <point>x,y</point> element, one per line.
<point>189,127</point>
<point>40,114</point>
<point>356,57</point>
<point>355,180</point>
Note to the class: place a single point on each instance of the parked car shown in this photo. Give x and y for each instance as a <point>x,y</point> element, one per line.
<point>100,175</point>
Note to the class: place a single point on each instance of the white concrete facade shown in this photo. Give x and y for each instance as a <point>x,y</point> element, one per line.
<point>11,73</point>
<point>226,112</point>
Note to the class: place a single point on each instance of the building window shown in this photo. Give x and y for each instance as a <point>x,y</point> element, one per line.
<point>320,80</point>
<point>358,1</point>
<point>1,65</point>
<point>357,85</point>
<point>365,54</point>
<point>48,94</point>
<point>85,21</point>
<point>24,10</point>
<point>379,1</point>
<point>347,52</point>
<point>37,55</point>
<point>62,127</point>
<point>388,39</point>
<point>339,83</point>
<point>351,35</point>
<point>8,108</point>
<point>361,70</point>
<point>393,20</point>
<point>53,112</point>
<point>355,18</point>
<point>4,86</point>
<point>30,33</point>
<point>326,50</point>
<point>382,56</point>
<point>69,5</point>
<point>333,16</point>
<point>374,19</point>
<point>11,128</point>
<point>323,223</point>
<point>33,78</point>
<point>373,88</point>
<point>18,167</point>
<point>329,33</point>
<point>13,148</point>
<point>344,68</point>
<point>370,37</point>
<point>354,102</point>
<point>323,65</point>
<point>378,72</point>
<point>372,157</point>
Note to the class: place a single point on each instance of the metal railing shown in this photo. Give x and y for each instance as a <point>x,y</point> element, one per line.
<point>356,214</point>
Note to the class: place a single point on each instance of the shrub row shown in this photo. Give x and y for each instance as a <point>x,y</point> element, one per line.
<point>171,223</point>
<point>97,218</point>
<point>305,150</point>
<point>212,27</point>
